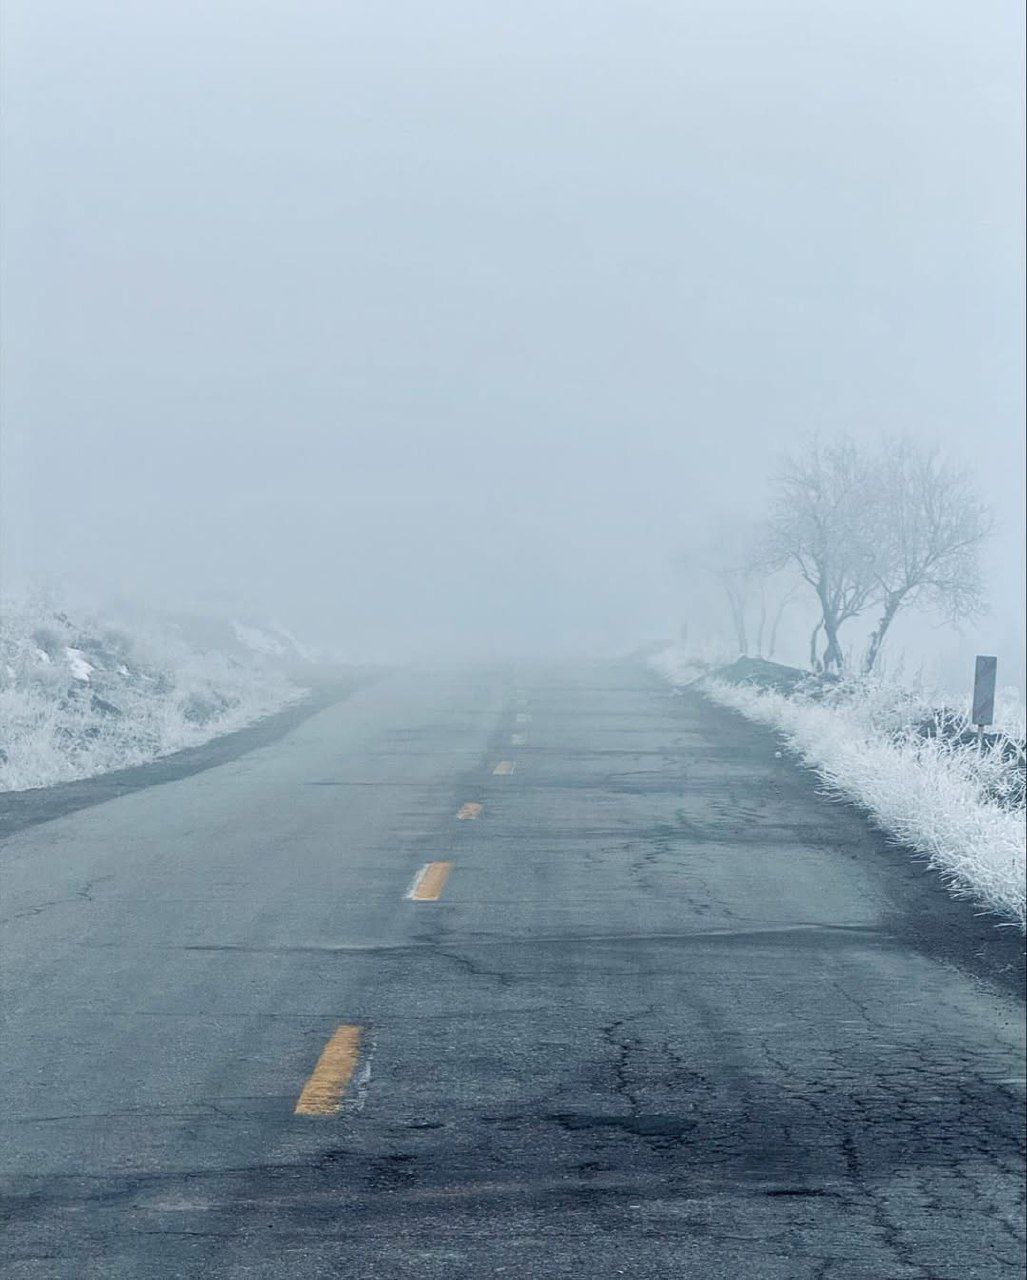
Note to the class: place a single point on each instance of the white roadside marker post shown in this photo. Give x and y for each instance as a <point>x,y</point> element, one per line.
<point>984,694</point>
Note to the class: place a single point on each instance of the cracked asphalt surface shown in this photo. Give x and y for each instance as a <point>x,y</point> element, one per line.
<point>676,1014</point>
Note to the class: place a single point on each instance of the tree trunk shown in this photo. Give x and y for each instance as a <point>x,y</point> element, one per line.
<point>814,660</point>
<point>829,621</point>
<point>761,625</point>
<point>891,608</point>
<point>775,622</point>
<point>833,652</point>
<point>738,618</point>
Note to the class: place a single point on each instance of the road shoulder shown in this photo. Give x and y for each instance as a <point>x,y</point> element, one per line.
<point>22,809</point>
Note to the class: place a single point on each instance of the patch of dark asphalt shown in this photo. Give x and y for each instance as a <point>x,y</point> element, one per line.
<point>846,1136</point>
<point>926,915</point>
<point>21,809</point>
<point>639,1126</point>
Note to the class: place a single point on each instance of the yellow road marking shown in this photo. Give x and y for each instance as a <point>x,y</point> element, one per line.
<point>517,740</point>
<point>322,1094</point>
<point>430,882</point>
<point>504,767</point>
<point>467,811</point>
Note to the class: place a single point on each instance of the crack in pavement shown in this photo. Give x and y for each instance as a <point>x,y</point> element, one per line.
<point>83,894</point>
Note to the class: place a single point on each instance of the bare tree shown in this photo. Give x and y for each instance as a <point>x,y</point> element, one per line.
<point>735,557</point>
<point>819,524</point>
<point>776,594</point>
<point>736,581</point>
<point>721,560</point>
<point>928,525</point>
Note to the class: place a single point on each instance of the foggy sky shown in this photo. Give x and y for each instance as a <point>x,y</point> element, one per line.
<point>442,326</point>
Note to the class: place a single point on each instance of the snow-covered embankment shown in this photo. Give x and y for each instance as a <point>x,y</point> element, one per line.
<point>79,697</point>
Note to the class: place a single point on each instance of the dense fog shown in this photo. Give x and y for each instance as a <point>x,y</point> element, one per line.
<point>445,328</point>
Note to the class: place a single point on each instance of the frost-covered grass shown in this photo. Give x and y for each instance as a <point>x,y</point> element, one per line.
<point>681,666</point>
<point>79,697</point>
<point>916,770</point>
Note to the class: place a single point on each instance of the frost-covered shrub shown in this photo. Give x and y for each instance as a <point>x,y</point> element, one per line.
<point>79,698</point>
<point>681,666</point>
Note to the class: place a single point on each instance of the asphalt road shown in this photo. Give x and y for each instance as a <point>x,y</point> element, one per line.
<point>671,1014</point>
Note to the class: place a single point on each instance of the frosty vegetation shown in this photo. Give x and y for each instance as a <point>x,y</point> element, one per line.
<point>857,532</point>
<point>915,766</point>
<point>79,697</point>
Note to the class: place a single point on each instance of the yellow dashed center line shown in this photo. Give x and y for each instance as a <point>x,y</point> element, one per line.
<point>322,1094</point>
<point>504,767</point>
<point>468,811</point>
<point>430,882</point>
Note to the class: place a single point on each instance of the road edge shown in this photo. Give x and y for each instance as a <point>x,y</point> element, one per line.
<point>925,914</point>
<point>20,810</point>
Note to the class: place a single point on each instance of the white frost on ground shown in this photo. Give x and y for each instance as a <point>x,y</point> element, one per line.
<point>79,697</point>
<point>951,802</point>
<point>275,640</point>
<point>681,668</point>
<point>78,666</point>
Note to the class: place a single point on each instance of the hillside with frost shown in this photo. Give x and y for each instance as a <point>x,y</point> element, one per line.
<point>81,696</point>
